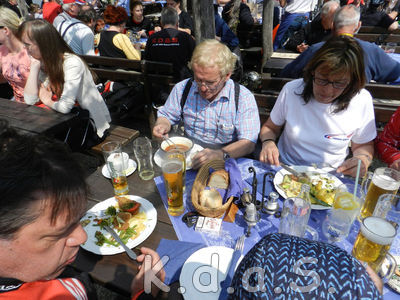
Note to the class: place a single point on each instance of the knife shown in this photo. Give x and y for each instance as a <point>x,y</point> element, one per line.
<point>128,251</point>
<point>290,170</point>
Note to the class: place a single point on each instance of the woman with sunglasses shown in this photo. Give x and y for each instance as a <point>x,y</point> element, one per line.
<point>58,78</point>
<point>317,117</point>
<point>14,60</point>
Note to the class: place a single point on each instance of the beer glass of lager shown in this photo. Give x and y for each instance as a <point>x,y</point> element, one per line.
<point>373,243</point>
<point>176,153</point>
<point>172,168</point>
<point>384,181</point>
<point>116,165</point>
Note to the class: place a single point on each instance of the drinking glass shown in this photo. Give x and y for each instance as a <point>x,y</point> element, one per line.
<point>388,207</point>
<point>181,156</point>
<point>172,169</point>
<point>345,209</point>
<point>382,181</point>
<point>115,162</point>
<point>294,218</point>
<point>373,243</point>
<point>143,153</point>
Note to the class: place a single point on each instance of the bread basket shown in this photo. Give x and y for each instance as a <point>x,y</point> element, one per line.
<point>200,183</point>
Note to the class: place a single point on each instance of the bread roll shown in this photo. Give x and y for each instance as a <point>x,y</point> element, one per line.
<point>210,198</point>
<point>219,179</point>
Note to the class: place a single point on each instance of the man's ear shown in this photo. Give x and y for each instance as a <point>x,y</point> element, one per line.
<point>227,76</point>
<point>358,27</point>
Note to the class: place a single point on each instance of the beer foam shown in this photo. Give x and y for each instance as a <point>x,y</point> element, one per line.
<point>173,166</point>
<point>386,182</point>
<point>378,230</point>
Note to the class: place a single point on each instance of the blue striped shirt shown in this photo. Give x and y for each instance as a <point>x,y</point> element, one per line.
<point>215,122</point>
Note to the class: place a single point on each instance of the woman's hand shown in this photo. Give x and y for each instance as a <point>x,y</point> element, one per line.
<point>269,153</point>
<point>45,95</point>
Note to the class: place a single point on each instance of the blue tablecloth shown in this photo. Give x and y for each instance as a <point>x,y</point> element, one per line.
<point>230,232</point>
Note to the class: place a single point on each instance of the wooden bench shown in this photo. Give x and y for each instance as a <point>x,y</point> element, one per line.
<point>117,133</point>
<point>376,29</point>
<point>149,73</point>
<point>379,38</point>
<point>386,99</point>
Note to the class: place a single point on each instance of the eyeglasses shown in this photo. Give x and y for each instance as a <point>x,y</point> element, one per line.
<point>340,85</point>
<point>211,86</point>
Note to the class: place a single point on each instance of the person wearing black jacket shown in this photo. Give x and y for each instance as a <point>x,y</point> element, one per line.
<point>246,20</point>
<point>317,31</point>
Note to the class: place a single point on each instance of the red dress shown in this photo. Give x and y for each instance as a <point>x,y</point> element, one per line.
<point>388,141</point>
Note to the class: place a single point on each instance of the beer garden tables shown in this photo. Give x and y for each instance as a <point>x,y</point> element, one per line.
<point>117,271</point>
<point>32,119</point>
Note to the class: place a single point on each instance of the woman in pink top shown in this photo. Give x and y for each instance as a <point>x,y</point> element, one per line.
<point>14,60</point>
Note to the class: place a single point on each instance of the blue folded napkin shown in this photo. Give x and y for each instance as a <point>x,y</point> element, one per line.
<point>178,252</point>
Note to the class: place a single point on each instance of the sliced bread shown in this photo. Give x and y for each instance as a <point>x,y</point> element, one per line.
<point>210,198</point>
<point>219,179</point>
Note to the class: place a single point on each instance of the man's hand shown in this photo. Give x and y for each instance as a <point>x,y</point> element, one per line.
<point>204,156</point>
<point>160,130</point>
<point>138,281</point>
<point>302,47</point>
<point>269,153</point>
<point>395,165</point>
<point>349,166</point>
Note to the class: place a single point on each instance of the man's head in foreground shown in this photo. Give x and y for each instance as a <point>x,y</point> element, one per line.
<point>42,197</point>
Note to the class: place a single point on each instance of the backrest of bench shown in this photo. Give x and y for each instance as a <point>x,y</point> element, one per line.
<point>112,62</point>
<point>376,29</point>
<point>378,38</point>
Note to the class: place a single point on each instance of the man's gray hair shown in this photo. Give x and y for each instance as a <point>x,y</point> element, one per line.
<point>345,16</point>
<point>327,7</point>
<point>169,16</point>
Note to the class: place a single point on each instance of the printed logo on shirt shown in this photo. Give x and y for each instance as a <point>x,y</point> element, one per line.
<point>6,288</point>
<point>165,41</point>
<point>338,136</point>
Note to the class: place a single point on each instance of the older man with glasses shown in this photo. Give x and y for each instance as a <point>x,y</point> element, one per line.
<point>218,114</point>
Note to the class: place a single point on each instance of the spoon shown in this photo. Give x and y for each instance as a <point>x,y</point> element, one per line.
<point>169,141</point>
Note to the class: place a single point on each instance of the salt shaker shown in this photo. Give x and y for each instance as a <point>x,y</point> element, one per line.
<point>271,206</point>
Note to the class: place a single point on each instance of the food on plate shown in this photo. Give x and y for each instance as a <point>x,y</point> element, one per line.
<point>128,205</point>
<point>124,217</point>
<point>219,179</point>
<point>322,190</point>
<point>210,198</point>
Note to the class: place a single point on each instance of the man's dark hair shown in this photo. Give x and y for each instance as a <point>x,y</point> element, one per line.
<point>169,16</point>
<point>87,15</point>
<point>37,173</point>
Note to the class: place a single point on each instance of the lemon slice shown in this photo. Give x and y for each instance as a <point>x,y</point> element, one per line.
<point>345,201</point>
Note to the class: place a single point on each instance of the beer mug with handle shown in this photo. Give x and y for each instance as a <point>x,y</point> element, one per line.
<point>372,246</point>
<point>388,207</point>
<point>382,181</point>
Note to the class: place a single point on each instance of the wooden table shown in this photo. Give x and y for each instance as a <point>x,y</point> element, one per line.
<point>117,271</point>
<point>34,120</point>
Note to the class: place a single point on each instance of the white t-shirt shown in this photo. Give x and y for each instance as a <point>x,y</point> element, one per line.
<point>300,6</point>
<point>313,134</point>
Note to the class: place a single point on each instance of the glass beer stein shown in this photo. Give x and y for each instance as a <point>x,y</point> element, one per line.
<point>373,243</point>
<point>382,181</point>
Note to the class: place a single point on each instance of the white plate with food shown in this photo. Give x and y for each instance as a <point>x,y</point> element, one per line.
<point>140,224</point>
<point>196,271</point>
<point>159,156</point>
<point>322,189</point>
<point>131,168</point>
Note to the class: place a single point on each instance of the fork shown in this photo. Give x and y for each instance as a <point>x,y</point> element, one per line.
<point>229,274</point>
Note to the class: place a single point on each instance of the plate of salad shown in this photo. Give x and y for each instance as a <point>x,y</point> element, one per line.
<point>132,217</point>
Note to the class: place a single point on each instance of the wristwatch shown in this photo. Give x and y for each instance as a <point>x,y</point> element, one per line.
<point>225,155</point>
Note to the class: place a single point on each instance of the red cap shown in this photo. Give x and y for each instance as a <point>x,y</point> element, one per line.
<point>351,1</point>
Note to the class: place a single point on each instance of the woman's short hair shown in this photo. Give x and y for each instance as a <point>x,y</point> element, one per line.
<point>115,15</point>
<point>341,54</point>
<point>133,4</point>
<point>9,19</point>
<point>210,53</point>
